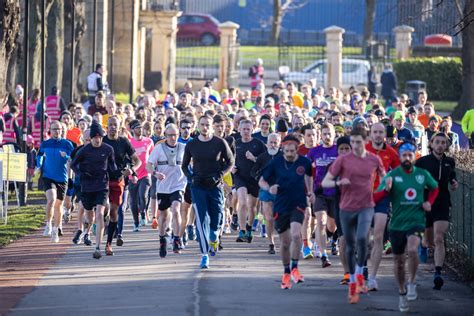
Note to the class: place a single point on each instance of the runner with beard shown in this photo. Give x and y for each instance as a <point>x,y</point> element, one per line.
<point>443,170</point>
<point>267,199</point>
<point>211,158</point>
<point>405,186</point>
<point>289,177</point>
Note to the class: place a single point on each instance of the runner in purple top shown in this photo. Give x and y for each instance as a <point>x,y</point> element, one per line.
<point>322,156</point>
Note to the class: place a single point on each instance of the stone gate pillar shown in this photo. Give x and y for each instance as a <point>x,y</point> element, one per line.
<point>228,40</point>
<point>164,25</point>
<point>334,56</point>
<point>403,41</point>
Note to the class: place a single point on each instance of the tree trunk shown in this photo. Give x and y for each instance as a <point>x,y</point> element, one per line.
<point>369,21</point>
<point>80,31</point>
<point>35,48</point>
<point>66,82</point>
<point>9,29</point>
<point>276,23</point>
<point>55,44</point>
<point>467,56</point>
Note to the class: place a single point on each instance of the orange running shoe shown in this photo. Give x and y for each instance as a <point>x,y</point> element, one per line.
<point>154,224</point>
<point>296,276</point>
<point>286,281</point>
<point>108,250</point>
<point>361,286</point>
<point>345,280</point>
<point>353,294</point>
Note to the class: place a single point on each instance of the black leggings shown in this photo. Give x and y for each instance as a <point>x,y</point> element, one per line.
<point>356,225</point>
<point>138,195</point>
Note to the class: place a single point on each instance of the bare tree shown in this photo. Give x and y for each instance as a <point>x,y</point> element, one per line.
<point>279,11</point>
<point>466,26</point>
<point>9,30</point>
<point>55,43</point>
<point>369,21</point>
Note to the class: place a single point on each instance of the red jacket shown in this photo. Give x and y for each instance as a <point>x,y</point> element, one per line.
<point>389,157</point>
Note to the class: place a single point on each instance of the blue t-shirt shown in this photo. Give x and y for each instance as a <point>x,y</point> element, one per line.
<point>53,165</point>
<point>290,178</point>
<point>184,141</point>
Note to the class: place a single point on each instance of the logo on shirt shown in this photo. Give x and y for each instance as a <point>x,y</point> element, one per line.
<point>398,179</point>
<point>410,194</point>
<point>300,170</point>
<point>420,179</point>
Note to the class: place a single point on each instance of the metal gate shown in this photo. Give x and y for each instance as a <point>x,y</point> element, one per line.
<point>233,70</point>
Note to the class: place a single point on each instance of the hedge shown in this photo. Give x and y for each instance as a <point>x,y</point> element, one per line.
<point>441,74</point>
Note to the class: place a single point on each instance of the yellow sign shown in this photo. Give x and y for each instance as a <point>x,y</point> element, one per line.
<point>14,166</point>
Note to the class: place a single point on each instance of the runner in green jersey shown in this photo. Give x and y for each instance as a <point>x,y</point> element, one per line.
<point>405,185</point>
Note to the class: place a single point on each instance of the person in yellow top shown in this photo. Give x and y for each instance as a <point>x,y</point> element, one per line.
<point>468,126</point>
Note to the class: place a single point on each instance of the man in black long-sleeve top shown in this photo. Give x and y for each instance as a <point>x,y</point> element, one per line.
<point>93,163</point>
<point>211,158</point>
<point>267,199</point>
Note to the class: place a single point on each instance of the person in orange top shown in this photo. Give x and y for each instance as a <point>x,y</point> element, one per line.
<point>390,160</point>
<point>428,111</point>
<point>73,133</point>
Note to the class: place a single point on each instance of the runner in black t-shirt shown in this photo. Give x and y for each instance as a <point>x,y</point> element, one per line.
<point>247,151</point>
<point>127,162</point>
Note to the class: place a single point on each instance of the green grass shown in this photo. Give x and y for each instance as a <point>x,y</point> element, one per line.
<point>122,97</point>
<point>445,106</point>
<point>207,56</point>
<point>21,221</point>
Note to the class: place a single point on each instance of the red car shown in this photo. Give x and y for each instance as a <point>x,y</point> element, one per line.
<point>198,27</point>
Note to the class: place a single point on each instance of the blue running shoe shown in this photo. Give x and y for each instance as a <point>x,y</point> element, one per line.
<point>423,254</point>
<point>255,225</point>
<point>204,262</point>
<point>242,236</point>
<point>307,253</point>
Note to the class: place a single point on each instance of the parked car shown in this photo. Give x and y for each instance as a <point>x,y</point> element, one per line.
<point>198,27</point>
<point>354,73</point>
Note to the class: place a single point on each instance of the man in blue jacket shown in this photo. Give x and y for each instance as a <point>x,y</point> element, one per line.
<point>52,160</point>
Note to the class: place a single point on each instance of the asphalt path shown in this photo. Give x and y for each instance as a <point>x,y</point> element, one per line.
<point>242,279</point>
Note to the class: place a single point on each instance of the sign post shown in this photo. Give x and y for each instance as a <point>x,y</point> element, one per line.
<point>13,169</point>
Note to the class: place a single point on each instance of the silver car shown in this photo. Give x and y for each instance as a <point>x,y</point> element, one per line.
<point>354,73</point>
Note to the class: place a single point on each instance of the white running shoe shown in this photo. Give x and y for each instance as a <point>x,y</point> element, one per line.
<point>403,303</point>
<point>47,230</point>
<point>54,235</point>
<point>372,285</point>
<point>411,292</point>
<point>227,230</point>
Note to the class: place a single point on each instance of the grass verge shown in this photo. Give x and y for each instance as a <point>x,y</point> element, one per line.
<point>445,106</point>
<point>22,220</point>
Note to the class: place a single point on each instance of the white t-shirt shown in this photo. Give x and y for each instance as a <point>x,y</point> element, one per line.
<point>175,180</point>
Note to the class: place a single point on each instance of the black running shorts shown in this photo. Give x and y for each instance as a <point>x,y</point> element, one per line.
<point>283,220</point>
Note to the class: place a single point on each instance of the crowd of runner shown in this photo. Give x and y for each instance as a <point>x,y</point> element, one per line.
<point>332,173</point>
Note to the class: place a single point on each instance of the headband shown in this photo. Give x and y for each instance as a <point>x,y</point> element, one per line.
<point>406,147</point>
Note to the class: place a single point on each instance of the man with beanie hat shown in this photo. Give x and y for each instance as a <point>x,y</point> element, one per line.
<point>93,163</point>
